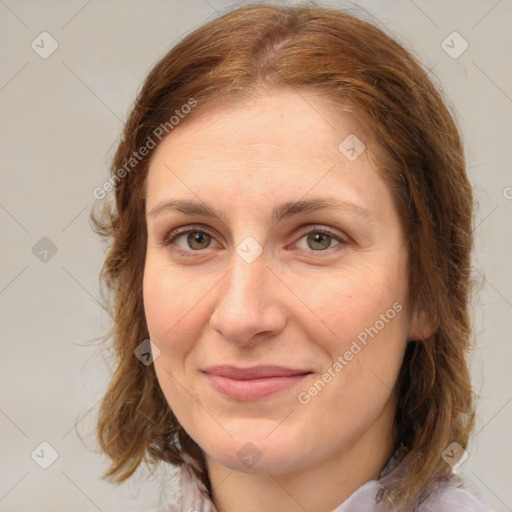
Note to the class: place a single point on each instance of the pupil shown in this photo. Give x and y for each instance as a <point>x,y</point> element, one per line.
<point>318,238</point>
<point>198,238</point>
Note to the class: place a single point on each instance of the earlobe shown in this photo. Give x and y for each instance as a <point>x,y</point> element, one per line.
<point>421,326</point>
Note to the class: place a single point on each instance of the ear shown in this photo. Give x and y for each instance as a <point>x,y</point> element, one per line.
<point>421,326</point>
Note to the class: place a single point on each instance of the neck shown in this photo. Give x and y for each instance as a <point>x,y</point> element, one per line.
<point>320,488</point>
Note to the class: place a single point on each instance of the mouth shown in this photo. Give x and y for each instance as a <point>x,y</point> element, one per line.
<point>255,382</point>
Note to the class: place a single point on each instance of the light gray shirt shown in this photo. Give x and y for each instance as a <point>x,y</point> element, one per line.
<point>446,495</point>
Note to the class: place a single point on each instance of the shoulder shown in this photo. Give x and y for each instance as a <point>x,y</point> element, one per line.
<point>451,497</point>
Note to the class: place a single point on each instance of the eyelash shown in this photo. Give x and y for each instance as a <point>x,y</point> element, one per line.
<point>169,239</point>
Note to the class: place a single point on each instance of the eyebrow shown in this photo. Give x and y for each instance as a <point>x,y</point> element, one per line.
<point>279,212</point>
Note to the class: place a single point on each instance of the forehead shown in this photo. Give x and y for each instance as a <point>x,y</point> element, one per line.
<point>285,140</point>
<point>273,123</point>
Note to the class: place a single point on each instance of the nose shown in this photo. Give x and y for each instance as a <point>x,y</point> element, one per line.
<point>248,309</point>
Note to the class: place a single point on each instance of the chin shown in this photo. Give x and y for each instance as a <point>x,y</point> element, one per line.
<point>274,465</point>
<point>248,454</point>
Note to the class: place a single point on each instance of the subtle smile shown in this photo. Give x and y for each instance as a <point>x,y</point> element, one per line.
<point>253,383</point>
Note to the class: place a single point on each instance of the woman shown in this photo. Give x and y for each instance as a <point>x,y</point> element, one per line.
<point>292,231</point>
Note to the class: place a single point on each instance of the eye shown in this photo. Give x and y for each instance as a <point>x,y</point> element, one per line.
<point>321,239</point>
<point>189,240</point>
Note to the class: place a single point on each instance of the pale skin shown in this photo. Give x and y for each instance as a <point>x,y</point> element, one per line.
<point>296,305</point>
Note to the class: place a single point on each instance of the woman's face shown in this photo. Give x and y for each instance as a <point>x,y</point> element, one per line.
<point>319,290</point>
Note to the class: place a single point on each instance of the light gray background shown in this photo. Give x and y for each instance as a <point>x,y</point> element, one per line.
<point>61,117</point>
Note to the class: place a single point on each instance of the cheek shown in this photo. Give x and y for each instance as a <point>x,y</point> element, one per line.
<point>171,305</point>
<point>350,302</point>
<point>364,348</point>
<point>170,301</point>
<point>362,316</point>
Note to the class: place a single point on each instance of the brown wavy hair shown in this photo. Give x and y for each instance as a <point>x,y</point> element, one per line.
<point>419,151</point>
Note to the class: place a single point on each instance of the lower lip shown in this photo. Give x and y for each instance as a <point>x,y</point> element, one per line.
<point>253,389</point>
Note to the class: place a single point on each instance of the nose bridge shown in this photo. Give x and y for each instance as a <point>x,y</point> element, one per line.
<point>248,269</point>
<point>242,292</point>
<point>245,304</point>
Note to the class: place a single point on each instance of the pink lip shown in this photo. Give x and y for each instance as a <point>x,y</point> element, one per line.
<point>253,383</point>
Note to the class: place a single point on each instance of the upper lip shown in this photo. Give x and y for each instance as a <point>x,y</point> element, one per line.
<point>253,372</point>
